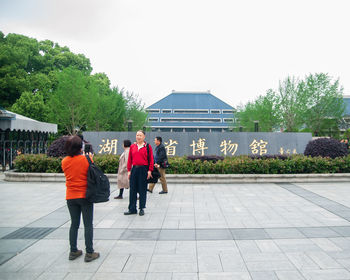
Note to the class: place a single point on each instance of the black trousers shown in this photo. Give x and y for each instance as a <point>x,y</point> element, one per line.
<point>138,184</point>
<point>77,207</point>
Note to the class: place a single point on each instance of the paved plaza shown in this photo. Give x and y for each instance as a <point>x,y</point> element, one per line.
<point>195,232</point>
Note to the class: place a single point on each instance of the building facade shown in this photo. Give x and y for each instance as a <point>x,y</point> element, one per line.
<point>190,112</point>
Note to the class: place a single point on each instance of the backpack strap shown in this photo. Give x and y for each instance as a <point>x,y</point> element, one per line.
<point>148,154</point>
<point>88,159</point>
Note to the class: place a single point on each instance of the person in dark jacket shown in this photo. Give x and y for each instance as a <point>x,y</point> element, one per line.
<point>160,158</point>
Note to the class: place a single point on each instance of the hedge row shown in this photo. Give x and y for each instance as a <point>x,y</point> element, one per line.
<point>182,165</point>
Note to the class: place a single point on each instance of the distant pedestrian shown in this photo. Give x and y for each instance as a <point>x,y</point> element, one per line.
<point>160,162</point>
<point>75,167</point>
<point>123,179</point>
<point>140,167</point>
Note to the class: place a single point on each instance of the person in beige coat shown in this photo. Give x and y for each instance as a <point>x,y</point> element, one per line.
<point>122,179</point>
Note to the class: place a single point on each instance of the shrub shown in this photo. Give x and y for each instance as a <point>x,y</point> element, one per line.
<point>213,158</point>
<point>56,148</point>
<point>181,165</point>
<point>326,147</point>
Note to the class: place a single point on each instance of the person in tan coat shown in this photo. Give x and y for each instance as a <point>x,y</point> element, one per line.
<point>122,179</point>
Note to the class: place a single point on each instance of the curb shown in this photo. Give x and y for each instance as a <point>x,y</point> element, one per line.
<point>11,176</point>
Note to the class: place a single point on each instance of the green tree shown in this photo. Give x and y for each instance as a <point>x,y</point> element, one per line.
<point>32,106</point>
<point>28,65</point>
<point>110,107</point>
<point>291,104</point>
<point>263,110</point>
<point>73,103</point>
<point>324,105</point>
<point>135,111</point>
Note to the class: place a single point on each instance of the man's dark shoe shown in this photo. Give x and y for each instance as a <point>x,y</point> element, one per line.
<point>130,213</point>
<point>141,213</point>
<point>118,197</point>
<point>74,255</point>
<point>162,192</point>
<point>91,256</point>
<point>149,191</point>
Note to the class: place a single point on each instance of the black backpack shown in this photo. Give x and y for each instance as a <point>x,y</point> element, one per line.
<point>98,189</point>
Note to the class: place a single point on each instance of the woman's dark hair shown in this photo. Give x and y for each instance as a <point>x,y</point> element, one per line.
<point>144,133</point>
<point>126,143</point>
<point>73,146</point>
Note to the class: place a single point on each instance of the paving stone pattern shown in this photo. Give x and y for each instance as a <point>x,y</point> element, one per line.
<point>229,231</point>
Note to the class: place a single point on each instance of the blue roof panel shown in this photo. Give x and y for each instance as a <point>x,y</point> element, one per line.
<point>189,100</point>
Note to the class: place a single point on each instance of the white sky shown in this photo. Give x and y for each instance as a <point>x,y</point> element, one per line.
<point>236,49</point>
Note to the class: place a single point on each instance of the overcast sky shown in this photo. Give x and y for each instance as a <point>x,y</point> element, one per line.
<point>235,49</point>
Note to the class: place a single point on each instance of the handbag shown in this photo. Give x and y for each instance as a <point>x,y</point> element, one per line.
<point>155,176</point>
<point>165,164</point>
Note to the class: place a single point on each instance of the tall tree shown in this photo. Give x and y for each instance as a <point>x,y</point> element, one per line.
<point>324,102</point>
<point>291,104</point>
<point>73,103</point>
<point>32,106</point>
<point>263,110</point>
<point>135,111</point>
<point>28,65</point>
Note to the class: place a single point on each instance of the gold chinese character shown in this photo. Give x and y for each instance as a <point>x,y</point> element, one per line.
<point>258,147</point>
<point>228,147</point>
<point>200,146</point>
<point>109,146</point>
<point>170,148</point>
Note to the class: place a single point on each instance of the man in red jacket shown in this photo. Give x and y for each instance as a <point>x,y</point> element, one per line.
<point>140,167</point>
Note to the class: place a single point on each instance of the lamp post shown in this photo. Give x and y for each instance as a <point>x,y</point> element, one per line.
<point>256,126</point>
<point>130,125</point>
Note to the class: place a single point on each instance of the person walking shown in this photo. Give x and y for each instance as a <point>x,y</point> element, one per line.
<point>160,159</point>
<point>122,179</point>
<point>140,166</point>
<point>75,167</point>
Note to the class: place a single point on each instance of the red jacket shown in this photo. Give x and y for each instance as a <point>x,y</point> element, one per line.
<point>139,156</point>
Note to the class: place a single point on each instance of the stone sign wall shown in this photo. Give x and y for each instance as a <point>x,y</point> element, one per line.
<point>206,143</point>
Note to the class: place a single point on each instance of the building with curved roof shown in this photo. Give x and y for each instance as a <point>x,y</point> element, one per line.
<point>183,111</point>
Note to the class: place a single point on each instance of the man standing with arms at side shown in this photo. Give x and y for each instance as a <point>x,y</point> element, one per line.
<point>160,158</point>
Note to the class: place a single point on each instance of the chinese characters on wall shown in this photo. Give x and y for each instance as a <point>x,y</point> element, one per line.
<point>199,146</point>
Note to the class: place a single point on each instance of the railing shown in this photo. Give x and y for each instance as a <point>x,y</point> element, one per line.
<point>9,149</point>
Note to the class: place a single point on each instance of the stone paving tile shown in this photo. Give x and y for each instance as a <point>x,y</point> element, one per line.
<point>118,276</point>
<point>326,274</point>
<point>213,234</point>
<point>79,276</point>
<point>312,232</point>
<point>288,233</point>
<point>302,261</point>
<point>159,276</point>
<point>185,276</point>
<point>232,262</point>
<point>140,234</point>
<point>249,234</point>
<point>6,230</point>
<point>52,276</point>
<point>19,276</point>
<point>113,263</point>
<point>184,234</point>
<point>326,245</point>
<point>137,263</point>
<point>209,263</point>
<point>343,231</point>
<point>289,275</point>
<point>225,276</point>
<point>263,275</point>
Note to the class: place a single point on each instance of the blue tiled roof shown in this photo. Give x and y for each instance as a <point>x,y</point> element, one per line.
<point>190,100</point>
<point>193,101</point>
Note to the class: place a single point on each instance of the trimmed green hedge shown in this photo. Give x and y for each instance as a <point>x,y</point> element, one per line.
<point>181,165</point>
